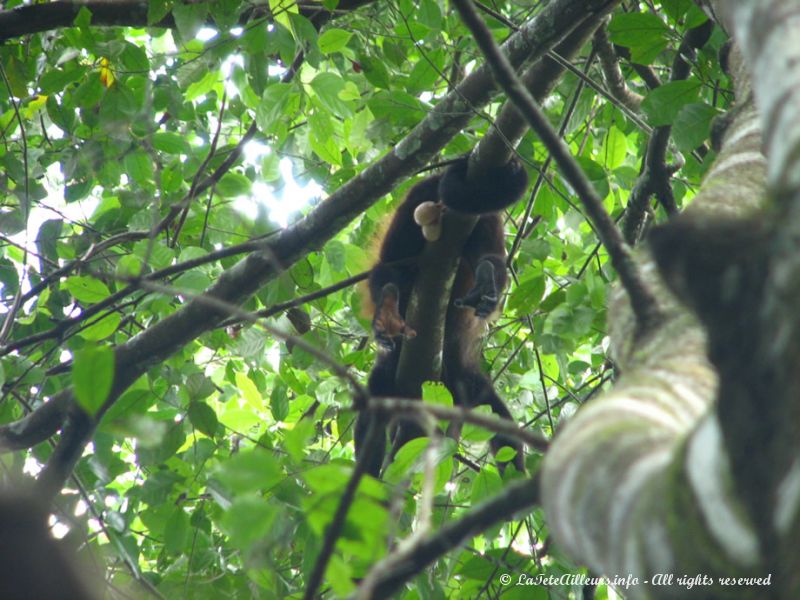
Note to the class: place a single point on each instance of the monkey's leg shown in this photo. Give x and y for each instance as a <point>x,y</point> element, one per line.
<point>485,253</point>
<point>484,295</point>
<point>462,375</point>
<point>381,383</point>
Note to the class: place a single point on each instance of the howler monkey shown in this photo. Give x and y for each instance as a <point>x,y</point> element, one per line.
<point>478,286</point>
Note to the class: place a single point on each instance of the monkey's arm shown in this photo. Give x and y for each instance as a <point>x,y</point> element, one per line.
<point>390,285</point>
<point>485,254</point>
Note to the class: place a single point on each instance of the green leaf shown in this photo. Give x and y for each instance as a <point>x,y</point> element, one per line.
<point>281,10</point>
<point>426,72</point>
<point>475,433</point>
<point>435,392</point>
<point>692,126</point>
<point>198,386</point>
<point>55,80</point>
<point>306,35</point>
<point>101,328</point>
<point>86,289</point>
<point>597,175</point>
<point>203,85</point>
<point>615,148</point>
<point>664,103</point>
<point>327,86</point>
<point>47,238</point>
<point>279,402</point>
<point>273,101</point>
<point>644,33</point>
<point>375,71</point>
<point>303,274</point>
<point>327,149</point>
<point>409,460</point>
<point>527,295</point>
<point>189,18</point>
<point>134,58</point>
<point>176,532</point>
<point>233,184</point>
<point>90,92</point>
<point>249,391</point>
<point>296,439</point>
<point>249,471</point>
<point>327,478</point>
<point>676,9</point>
<point>157,10</point>
<point>333,40</point>
<point>8,277</point>
<point>84,18</point>
<point>505,454</point>
<point>487,484</point>
<point>248,520</point>
<point>226,13</point>
<point>193,281</point>
<point>399,107</point>
<point>203,418</point>
<point>553,300</point>
<point>171,143</point>
<point>11,222</point>
<point>92,376</point>
<point>270,167</point>
<point>406,461</point>
<point>430,15</point>
<point>139,167</point>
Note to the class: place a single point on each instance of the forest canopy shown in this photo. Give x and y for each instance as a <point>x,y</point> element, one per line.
<point>193,195</point>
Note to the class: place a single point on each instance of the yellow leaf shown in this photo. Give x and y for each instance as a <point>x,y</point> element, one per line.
<point>106,75</point>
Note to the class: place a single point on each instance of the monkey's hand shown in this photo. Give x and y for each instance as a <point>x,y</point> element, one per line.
<point>483,297</point>
<point>387,322</point>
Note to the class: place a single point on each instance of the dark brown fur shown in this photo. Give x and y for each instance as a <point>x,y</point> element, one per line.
<point>472,298</point>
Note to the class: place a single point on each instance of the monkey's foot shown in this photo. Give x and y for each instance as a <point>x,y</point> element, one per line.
<point>387,323</point>
<point>483,297</point>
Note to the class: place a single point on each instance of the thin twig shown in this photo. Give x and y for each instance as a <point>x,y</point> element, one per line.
<point>459,414</point>
<point>11,316</point>
<point>232,309</point>
<point>212,149</point>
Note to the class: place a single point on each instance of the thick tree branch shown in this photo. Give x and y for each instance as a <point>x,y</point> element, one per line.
<point>517,496</point>
<point>653,443</point>
<point>35,18</point>
<point>39,425</point>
